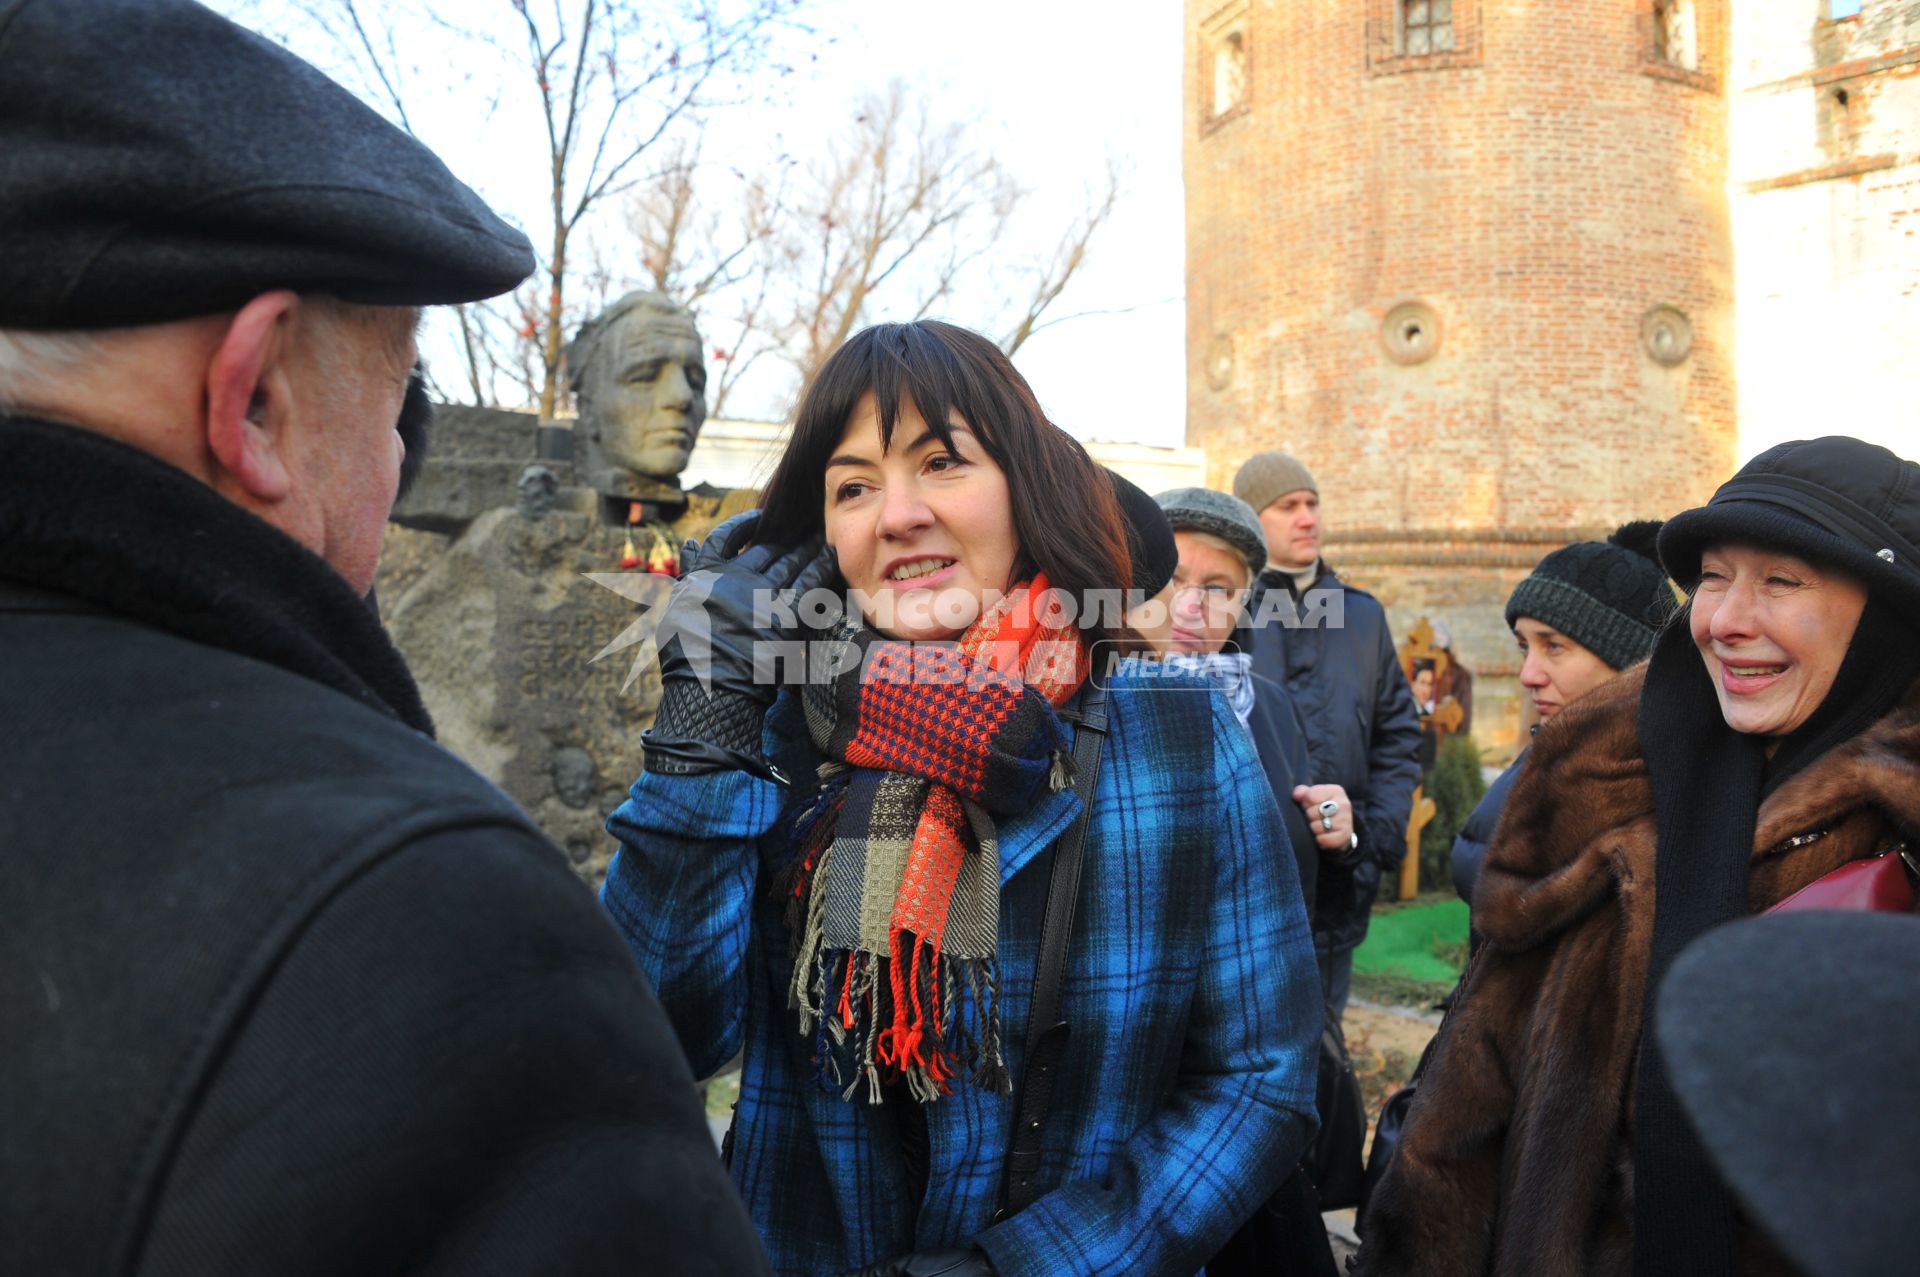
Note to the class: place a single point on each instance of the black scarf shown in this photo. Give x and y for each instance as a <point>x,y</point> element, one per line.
<point>1708,782</point>
<point>97,520</point>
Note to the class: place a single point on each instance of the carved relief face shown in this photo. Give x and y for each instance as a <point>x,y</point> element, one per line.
<point>643,397</point>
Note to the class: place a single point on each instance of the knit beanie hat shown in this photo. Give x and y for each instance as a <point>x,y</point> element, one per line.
<point>1220,515</point>
<point>1149,537</point>
<point>1611,597</point>
<point>1268,476</point>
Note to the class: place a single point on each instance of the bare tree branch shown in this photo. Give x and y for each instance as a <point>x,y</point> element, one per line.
<point>386,69</point>
<point>903,214</point>
<point>612,80</point>
<point>902,206</point>
<point>1067,261</point>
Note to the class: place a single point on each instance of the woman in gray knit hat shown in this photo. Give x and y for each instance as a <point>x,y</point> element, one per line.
<point>1586,612</point>
<point>1221,550</point>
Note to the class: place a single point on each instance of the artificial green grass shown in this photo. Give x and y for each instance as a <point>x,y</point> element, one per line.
<point>1421,940</point>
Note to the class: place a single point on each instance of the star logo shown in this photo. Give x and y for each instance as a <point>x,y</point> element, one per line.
<point>675,612</point>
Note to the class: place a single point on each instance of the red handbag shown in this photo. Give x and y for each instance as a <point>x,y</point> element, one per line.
<point>1883,883</point>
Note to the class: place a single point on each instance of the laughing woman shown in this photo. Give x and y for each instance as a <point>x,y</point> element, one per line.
<point>1772,740</point>
<point>848,882</point>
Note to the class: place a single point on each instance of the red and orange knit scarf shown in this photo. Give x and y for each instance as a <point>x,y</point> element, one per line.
<point>894,892</point>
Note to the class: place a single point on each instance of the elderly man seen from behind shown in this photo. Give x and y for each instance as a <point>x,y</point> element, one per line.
<point>286,988</point>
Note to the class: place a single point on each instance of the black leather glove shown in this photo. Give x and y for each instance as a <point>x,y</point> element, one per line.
<point>711,703</point>
<point>970,1262</point>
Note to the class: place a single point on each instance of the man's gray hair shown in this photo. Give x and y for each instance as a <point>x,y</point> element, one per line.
<point>30,360</point>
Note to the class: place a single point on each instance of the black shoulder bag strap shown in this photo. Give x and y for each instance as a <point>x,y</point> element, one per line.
<point>1046,1031</point>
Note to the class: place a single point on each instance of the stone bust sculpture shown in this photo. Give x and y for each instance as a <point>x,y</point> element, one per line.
<point>640,382</point>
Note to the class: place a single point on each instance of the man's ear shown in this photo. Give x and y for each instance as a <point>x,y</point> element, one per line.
<point>247,396</point>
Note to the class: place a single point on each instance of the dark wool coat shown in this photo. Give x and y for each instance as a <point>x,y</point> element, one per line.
<point>1362,732</point>
<point>285,988</point>
<point>1517,1159</point>
<point>1281,744</point>
<point>1470,845</point>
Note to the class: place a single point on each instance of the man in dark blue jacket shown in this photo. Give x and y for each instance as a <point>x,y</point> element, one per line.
<point>285,987</point>
<point>1329,645</point>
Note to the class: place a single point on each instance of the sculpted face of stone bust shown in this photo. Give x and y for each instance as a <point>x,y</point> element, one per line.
<point>640,381</point>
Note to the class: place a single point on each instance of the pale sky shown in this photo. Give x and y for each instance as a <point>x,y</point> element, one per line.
<point>1059,85</point>
<point>1054,87</point>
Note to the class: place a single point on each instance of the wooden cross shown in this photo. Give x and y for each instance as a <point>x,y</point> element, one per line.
<point>1423,811</point>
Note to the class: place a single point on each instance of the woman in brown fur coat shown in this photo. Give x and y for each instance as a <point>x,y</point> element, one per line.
<point>1773,736</point>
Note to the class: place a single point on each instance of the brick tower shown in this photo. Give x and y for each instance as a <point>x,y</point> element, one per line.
<point>1470,261</point>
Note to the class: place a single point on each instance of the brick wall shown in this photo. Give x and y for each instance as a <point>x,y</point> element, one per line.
<point>1542,185</point>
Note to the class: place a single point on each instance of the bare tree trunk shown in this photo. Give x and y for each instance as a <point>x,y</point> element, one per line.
<point>555,321</point>
<point>470,349</point>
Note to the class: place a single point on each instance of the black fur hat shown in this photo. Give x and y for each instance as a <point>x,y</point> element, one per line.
<point>1150,540</point>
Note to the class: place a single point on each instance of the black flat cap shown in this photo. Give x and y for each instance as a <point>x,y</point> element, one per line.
<point>159,162</point>
<point>1792,1044</point>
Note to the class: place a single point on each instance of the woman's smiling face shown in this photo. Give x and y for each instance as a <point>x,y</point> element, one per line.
<point>924,535</point>
<point>1773,630</point>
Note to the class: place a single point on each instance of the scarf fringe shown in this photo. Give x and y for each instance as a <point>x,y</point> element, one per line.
<point>922,1019</point>
<point>808,993</point>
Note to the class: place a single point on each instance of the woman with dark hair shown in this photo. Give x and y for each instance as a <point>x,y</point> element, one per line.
<point>1772,739</point>
<point>849,880</point>
<point>1586,612</point>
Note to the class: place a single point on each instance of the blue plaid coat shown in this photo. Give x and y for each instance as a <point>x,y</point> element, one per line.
<point>1191,988</point>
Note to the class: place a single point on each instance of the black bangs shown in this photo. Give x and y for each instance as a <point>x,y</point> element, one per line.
<point>946,373</point>
<point>926,363</point>
<point>909,364</point>
<point>919,363</point>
